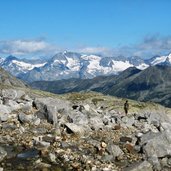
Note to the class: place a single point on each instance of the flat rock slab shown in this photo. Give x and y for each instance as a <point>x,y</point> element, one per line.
<point>73,128</point>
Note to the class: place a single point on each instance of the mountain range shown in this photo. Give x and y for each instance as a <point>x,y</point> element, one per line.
<point>66,65</point>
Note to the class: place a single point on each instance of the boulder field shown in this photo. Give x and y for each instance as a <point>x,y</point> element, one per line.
<point>82,131</point>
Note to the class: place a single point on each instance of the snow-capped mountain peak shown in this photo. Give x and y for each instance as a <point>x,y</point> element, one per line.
<point>160,59</point>
<point>17,66</point>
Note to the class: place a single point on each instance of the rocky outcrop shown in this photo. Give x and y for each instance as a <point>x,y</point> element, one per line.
<point>50,108</point>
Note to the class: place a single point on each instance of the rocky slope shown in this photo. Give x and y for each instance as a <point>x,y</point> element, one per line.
<point>81,131</point>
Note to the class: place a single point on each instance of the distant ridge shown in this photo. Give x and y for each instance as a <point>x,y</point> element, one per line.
<point>151,84</point>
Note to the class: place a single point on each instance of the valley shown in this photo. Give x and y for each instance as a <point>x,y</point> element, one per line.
<point>151,84</point>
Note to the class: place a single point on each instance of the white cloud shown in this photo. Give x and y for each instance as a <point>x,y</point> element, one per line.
<point>95,50</point>
<point>148,47</point>
<point>29,46</point>
<point>26,47</point>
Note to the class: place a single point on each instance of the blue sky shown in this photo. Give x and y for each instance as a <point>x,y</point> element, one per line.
<point>107,27</point>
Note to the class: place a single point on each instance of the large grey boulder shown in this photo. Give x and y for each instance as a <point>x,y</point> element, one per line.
<point>165,126</point>
<point>12,93</point>
<point>25,118</point>
<point>76,129</point>
<point>154,160</point>
<point>96,123</point>
<point>87,107</point>
<point>144,138</point>
<point>157,117</point>
<point>159,145</point>
<point>4,117</point>
<point>4,109</point>
<point>12,104</point>
<point>128,120</point>
<point>26,106</point>
<point>51,113</point>
<point>114,150</point>
<point>79,118</point>
<point>49,108</point>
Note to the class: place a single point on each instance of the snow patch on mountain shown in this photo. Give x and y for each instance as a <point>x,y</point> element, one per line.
<point>93,63</point>
<point>120,65</point>
<point>159,60</point>
<point>142,66</point>
<point>73,64</point>
<point>27,66</point>
<point>59,61</point>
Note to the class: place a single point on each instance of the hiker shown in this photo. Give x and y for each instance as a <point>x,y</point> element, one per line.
<point>126,107</point>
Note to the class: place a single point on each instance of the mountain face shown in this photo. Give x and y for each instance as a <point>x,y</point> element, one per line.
<point>99,84</point>
<point>151,84</point>
<point>66,65</point>
<point>18,66</point>
<point>73,65</point>
<point>159,60</point>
